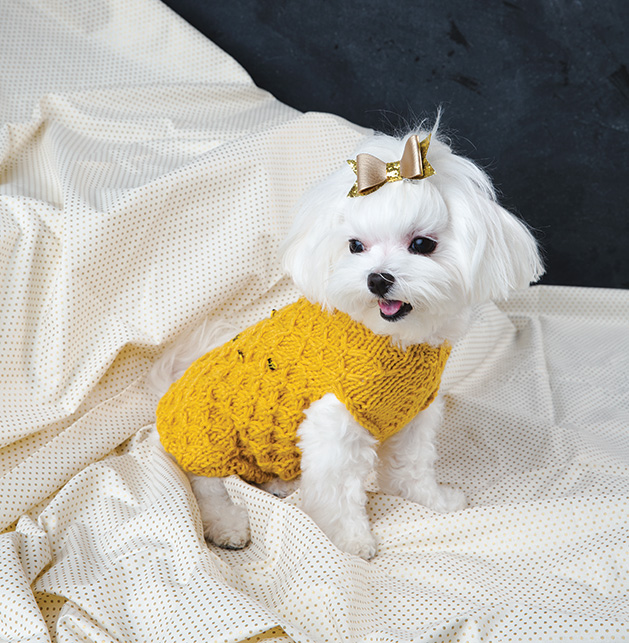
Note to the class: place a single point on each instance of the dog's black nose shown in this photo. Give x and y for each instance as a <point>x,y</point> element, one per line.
<point>379,283</point>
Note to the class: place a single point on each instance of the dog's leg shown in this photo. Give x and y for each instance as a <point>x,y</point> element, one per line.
<point>224,523</point>
<point>280,488</point>
<point>407,464</point>
<point>337,456</point>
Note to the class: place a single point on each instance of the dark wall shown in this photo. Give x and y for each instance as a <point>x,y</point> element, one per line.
<point>535,91</point>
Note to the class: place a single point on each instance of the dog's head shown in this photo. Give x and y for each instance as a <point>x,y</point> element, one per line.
<point>411,257</point>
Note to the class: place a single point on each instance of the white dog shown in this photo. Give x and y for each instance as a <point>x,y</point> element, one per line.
<point>403,241</point>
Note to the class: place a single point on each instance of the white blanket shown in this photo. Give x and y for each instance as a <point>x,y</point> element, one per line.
<point>145,183</point>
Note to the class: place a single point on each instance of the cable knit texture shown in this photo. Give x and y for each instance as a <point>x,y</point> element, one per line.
<point>236,410</point>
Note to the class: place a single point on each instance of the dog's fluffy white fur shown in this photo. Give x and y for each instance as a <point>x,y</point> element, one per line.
<point>437,247</point>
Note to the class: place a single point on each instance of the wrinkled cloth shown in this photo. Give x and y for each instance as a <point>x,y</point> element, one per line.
<point>145,184</point>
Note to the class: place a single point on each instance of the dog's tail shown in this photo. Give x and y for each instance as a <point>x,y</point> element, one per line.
<point>186,349</point>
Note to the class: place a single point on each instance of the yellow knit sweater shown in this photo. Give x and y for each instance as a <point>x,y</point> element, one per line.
<point>236,410</point>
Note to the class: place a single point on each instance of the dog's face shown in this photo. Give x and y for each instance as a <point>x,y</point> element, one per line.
<point>409,259</point>
<point>395,263</point>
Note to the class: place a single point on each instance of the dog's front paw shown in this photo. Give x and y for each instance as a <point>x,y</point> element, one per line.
<point>440,498</point>
<point>230,530</point>
<point>449,499</point>
<point>362,544</point>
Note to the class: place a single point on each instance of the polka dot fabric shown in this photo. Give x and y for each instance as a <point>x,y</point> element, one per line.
<point>145,183</point>
<point>129,210</point>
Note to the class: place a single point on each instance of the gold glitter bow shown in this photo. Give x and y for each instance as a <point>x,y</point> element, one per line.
<point>372,173</point>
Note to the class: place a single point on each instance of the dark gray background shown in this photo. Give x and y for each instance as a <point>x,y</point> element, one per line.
<point>535,91</point>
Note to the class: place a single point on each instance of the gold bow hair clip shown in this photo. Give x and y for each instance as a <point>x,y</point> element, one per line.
<point>372,173</point>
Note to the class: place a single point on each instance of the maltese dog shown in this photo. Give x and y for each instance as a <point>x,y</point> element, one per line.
<point>390,253</point>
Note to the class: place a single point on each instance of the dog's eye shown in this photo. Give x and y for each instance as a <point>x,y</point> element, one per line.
<point>356,246</point>
<point>422,246</point>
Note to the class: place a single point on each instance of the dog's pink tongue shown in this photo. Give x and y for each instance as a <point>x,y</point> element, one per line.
<point>389,307</point>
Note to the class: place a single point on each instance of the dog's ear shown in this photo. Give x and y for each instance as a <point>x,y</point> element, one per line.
<point>502,252</point>
<point>496,251</point>
<point>312,245</point>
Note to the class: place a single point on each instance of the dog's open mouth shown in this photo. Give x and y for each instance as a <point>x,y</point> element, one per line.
<point>393,310</point>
